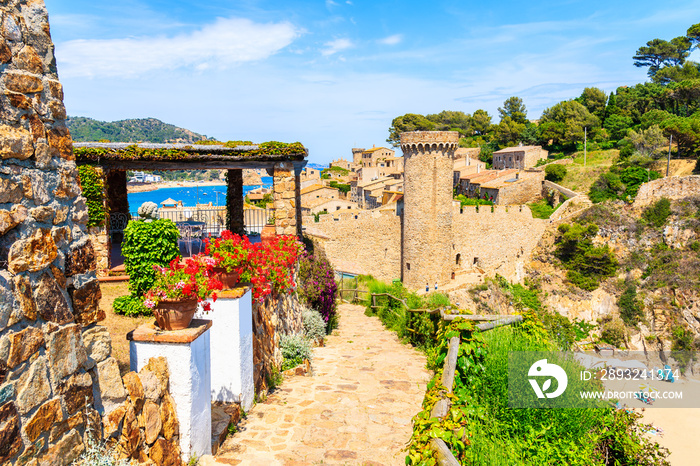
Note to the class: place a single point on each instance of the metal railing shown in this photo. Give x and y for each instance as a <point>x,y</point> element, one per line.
<point>211,221</point>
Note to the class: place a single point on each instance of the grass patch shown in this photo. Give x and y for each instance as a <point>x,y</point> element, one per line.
<point>542,209</point>
<point>580,178</point>
<point>117,325</point>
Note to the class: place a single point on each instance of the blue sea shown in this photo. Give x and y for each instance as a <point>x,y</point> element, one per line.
<point>189,195</point>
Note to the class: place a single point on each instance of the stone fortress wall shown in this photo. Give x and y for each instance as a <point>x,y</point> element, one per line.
<point>501,240</point>
<point>363,243</point>
<point>497,240</point>
<point>434,240</point>
<point>56,369</point>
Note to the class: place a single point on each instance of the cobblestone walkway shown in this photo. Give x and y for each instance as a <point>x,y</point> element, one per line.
<point>356,409</point>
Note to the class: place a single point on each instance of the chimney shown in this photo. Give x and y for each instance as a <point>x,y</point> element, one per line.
<point>478,168</point>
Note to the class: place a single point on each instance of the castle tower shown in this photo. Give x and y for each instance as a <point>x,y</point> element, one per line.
<point>427,218</point>
<point>357,155</point>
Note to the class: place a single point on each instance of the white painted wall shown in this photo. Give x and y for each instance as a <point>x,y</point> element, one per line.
<point>190,387</point>
<point>232,350</point>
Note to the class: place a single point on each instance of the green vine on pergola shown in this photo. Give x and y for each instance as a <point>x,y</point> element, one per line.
<point>272,149</point>
<point>200,151</point>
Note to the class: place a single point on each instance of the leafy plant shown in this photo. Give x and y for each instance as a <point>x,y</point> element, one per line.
<point>145,245</point>
<point>613,332</point>
<point>554,172</point>
<point>631,307</point>
<point>317,286</point>
<point>587,265</point>
<point>295,349</point>
<point>231,252</point>
<point>130,305</point>
<point>92,184</point>
<point>657,213</point>
<point>192,280</point>
<point>542,209</point>
<point>582,329</point>
<point>314,324</point>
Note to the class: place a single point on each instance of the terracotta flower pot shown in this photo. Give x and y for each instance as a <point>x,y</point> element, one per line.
<point>175,314</point>
<point>229,279</point>
<point>268,233</point>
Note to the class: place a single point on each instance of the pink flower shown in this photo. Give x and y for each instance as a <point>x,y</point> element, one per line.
<point>149,304</point>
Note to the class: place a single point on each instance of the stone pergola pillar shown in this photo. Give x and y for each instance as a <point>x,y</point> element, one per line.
<point>115,185</point>
<point>234,204</point>
<point>286,204</point>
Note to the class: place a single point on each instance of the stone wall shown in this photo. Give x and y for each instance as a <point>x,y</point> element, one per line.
<point>501,240</point>
<point>57,375</point>
<point>49,342</point>
<point>277,315</point>
<point>498,240</point>
<point>527,189</point>
<point>366,243</point>
<point>142,423</point>
<point>671,188</point>
<point>287,197</point>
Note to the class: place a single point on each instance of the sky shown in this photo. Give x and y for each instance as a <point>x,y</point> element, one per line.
<point>333,74</point>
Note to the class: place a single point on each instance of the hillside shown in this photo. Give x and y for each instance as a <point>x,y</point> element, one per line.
<point>132,130</point>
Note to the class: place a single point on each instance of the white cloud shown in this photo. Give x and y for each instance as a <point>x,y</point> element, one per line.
<point>336,46</point>
<point>391,40</point>
<point>222,44</point>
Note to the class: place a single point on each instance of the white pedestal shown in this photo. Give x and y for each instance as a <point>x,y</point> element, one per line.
<point>232,347</point>
<point>188,354</point>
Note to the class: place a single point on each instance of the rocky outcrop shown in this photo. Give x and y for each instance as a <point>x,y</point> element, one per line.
<point>251,178</point>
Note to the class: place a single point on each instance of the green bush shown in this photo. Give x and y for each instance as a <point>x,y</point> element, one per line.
<point>314,324</point>
<point>130,305</point>
<point>343,188</point>
<point>587,265</point>
<point>147,244</point>
<point>613,332</point>
<point>657,213</point>
<point>464,200</point>
<point>295,348</point>
<point>93,186</point>
<point>554,172</point>
<point>631,307</point>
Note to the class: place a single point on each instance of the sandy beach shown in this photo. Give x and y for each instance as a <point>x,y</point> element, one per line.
<point>143,187</point>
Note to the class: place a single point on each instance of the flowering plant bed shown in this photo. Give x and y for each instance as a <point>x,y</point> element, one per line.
<point>190,280</point>
<point>230,252</point>
<point>273,264</point>
<point>268,266</point>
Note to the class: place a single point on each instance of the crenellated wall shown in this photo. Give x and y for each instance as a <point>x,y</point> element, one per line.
<point>501,238</point>
<point>363,243</point>
<point>498,239</point>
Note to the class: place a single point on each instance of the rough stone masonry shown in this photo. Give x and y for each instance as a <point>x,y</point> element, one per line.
<point>56,370</point>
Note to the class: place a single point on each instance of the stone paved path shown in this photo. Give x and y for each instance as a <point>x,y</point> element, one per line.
<point>356,409</point>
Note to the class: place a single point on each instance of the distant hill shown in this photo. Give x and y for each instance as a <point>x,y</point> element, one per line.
<point>135,130</point>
